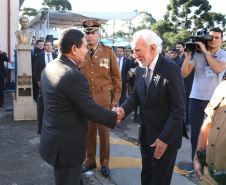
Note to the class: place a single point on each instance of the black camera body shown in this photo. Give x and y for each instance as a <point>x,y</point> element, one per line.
<point>202,36</point>
<point>201,154</point>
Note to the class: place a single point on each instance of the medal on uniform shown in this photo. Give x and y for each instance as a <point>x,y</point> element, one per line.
<point>104,63</point>
<point>101,62</point>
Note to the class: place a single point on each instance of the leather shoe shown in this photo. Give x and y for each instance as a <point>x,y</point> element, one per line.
<point>1,105</point>
<point>105,171</point>
<point>87,167</point>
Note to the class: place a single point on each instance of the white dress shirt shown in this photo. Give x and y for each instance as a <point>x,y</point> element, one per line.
<point>152,65</point>
<point>121,63</point>
<point>46,57</point>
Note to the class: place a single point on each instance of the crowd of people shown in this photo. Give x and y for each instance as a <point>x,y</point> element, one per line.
<point>88,87</point>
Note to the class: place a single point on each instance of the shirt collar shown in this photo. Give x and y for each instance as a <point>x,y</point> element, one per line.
<point>48,53</point>
<point>153,64</point>
<point>72,61</point>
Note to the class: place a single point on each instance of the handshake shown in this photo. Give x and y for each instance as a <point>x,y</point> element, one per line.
<point>120,112</point>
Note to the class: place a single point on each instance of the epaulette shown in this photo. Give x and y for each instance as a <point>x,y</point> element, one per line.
<point>106,45</point>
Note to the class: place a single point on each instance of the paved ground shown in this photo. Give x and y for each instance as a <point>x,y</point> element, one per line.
<point>21,164</point>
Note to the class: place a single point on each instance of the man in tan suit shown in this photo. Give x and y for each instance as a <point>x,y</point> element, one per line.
<point>102,70</point>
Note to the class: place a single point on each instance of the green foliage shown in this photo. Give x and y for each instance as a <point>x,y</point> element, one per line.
<point>120,33</point>
<point>162,27</point>
<point>186,14</point>
<point>57,4</point>
<point>170,39</point>
<point>223,45</point>
<point>146,23</point>
<point>29,11</point>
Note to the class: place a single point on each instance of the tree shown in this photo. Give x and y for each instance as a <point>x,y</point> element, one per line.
<point>181,13</point>
<point>162,27</point>
<point>29,11</point>
<point>120,33</point>
<point>170,39</point>
<point>57,4</point>
<point>147,20</point>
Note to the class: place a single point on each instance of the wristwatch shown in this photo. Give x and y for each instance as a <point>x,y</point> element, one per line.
<point>207,53</point>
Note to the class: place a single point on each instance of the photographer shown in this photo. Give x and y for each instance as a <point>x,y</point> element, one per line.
<point>213,130</point>
<point>180,56</point>
<point>179,59</point>
<point>209,64</point>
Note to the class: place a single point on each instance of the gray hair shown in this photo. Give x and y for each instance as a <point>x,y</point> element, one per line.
<point>23,17</point>
<point>150,38</point>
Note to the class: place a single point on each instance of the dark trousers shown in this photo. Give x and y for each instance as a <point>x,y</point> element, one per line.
<point>196,116</point>
<point>156,171</point>
<point>70,175</point>
<point>35,90</point>
<point>122,95</point>
<point>1,89</point>
<point>187,109</point>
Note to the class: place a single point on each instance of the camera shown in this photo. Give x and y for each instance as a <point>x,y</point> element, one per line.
<point>177,51</point>
<point>201,154</point>
<point>202,35</point>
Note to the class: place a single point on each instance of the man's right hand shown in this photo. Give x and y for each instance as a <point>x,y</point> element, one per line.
<point>188,54</point>
<point>173,55</point>
<point>120,112</point>
<point>38,83</point>
<point>197,168</point>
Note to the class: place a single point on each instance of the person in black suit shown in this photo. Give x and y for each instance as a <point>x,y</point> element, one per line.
<point>37,49</point>
<point>159,90</point>
<point>64,104</point>
<point>42,59</point>
<point>3,57</point>
<point>124,66</point>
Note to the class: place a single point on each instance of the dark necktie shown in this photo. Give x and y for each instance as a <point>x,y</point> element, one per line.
<point>91,52</point>
<point>148,78</point>
<point>48,55</point>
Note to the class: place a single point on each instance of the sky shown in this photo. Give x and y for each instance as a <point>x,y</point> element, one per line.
<point>156,7</point>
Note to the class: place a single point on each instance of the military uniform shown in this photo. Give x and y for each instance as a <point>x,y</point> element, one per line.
<point>105,86</point>
<point>216,147</point>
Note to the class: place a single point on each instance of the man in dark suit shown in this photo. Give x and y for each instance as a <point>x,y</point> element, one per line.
<point>159,90</point>
<point>3,57</point>
<point>124,66</point>
<point>42,59</point>
<point>64,104</point>
<point>37,49</point>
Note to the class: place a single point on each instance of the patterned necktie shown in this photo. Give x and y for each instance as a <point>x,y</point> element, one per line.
<point>48,55</point>
<point>148,78</point>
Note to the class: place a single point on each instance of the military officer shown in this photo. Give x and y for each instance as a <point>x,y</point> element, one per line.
<point>213,138</point>
<point>128,52</point>
<point>102,70</point>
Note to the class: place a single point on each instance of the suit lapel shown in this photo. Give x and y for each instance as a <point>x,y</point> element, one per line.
<point>44,60</point>
<point>155,78</point>
<point>140,83</point>
<point>123,65</point>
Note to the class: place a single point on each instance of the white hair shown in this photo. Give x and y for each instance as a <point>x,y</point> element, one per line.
<point>150,38</point>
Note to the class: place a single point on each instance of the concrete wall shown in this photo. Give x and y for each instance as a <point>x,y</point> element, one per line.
<point>14,18</point>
